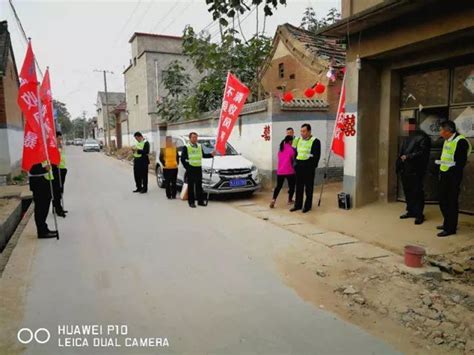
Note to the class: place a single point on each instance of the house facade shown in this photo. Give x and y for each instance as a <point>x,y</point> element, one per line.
<point>11,118</point>
<point>151,56</point>
<point>406,59</point>
<point>105,107</point>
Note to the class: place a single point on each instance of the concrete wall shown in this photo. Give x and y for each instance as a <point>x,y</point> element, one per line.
<point>247,134</point>
<point>11,122</point>
<point>352,7</point>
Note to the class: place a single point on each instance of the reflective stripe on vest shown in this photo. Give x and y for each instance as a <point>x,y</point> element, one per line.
<point>49,175</point>
<point>194,155</point>
<point>140,146</point>
<point>170,158</point>
<point>62,163</point>
<point>304,148</point>
<point>449,149</point>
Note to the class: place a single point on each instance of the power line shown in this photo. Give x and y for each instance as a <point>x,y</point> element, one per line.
<point>164,16</point>
<point>174,19</point>
<point>23,32</point>
<point>127,22</point>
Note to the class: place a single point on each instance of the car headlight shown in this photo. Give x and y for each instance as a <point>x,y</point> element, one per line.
<point>208,171</point>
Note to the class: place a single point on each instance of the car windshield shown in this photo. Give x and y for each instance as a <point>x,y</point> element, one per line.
<point>208,147</point>
<point>91,141</point>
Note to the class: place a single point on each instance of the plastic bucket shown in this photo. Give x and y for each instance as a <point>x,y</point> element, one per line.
<point>414,256</point>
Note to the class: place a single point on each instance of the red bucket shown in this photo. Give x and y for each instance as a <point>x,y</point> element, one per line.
<point>414,256</point>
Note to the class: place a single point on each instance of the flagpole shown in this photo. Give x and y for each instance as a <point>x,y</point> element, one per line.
<point>50,171</point>
<point>332,139</point>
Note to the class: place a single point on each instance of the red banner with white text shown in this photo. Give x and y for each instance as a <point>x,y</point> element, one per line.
<point>49,127</point>
<point>235,95</point>
<point>337,145</point>
<point>33,148</point>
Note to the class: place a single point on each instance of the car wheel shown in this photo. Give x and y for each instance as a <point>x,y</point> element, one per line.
<point>160,180</point>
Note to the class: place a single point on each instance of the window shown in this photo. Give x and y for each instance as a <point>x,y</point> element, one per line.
<point>136,99</point>
<point>281,70</point>
<point>292,76</point>
<point>135,61</point>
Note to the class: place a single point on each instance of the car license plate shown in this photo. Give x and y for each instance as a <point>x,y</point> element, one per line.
<point>238,182</point>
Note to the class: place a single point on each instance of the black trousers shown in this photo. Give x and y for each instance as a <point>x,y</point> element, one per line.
<point>449,187</point>
<point>42,199</point>
<point>291,185</point>
<point>58,188</point>
<point>304,185</point>
<point>414,193</point>
<point>170,176</point>
<point>140,172</point>
<point>195,191</point>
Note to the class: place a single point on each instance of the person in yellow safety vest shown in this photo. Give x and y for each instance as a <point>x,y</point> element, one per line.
<point>140,163</point>
<point>39,179</point>
<point>169,159</point>
<point>454,156</point>
<point>59,173</point>
<point>191,157</point>
<point>308,153</point>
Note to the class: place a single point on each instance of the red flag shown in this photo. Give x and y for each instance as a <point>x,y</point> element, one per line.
<point>337,145</point>
<point>235,95</point>
<point>50,130</point>
<point>33,148</point>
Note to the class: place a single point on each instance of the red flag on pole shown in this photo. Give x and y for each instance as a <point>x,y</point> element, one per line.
<point>33,148</point>
<point>50,129</point>
<point>235,95</point>
<point>337,145</point>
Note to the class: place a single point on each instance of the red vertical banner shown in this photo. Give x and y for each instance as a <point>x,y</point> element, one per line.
<point>33,148</point>
<point>50,129</point>
<point>337,145</point>
<point>235,95</point>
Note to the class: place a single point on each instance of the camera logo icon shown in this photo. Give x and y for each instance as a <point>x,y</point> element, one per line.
<point>26,335</point>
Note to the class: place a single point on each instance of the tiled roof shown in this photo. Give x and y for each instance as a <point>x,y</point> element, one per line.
<point>304,105</point>
<point>319,46</point>
<point>120,107</point>
<point>113,98</point>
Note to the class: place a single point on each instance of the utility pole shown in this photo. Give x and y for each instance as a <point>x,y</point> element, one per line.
<point>107,113</point>
<point>84,124</point>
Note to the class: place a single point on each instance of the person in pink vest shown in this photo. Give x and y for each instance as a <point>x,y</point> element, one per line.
<point>285,170</point>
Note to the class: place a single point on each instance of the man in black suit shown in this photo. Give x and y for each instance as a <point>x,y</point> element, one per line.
<point>456,150</point>
<point>411,165</point>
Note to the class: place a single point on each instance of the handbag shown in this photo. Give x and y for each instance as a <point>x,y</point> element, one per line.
<point>184,192</point>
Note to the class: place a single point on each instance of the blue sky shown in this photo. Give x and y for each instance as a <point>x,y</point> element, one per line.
<point>75,37</point>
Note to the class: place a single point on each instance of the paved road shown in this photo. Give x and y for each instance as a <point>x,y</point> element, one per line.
<point>203,278</point>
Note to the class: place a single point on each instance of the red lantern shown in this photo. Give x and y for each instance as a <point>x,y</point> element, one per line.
<point>309,93</point>
<point>288,96</point>
<point>319,88</point>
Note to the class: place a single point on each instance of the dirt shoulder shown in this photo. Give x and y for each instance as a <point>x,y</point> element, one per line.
<point>418,312</point>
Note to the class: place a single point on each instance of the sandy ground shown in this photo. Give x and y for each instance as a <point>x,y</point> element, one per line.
<point>367,285</point>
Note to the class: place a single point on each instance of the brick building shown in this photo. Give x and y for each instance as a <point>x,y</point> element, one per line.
<point>11,118</point>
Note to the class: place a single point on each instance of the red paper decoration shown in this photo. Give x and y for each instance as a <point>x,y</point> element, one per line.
<point>349,125</point>
<point>309,93</point>
<point>288,96</point>
<point>319,88</point>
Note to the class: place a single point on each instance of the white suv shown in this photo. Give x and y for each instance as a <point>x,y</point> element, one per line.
<point>232,172</point>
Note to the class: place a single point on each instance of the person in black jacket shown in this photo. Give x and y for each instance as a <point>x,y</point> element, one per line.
<point>191,157</point>
<point>308,153</point>
<point>140,163</point>
<point>451,174</point>
<point>40,186</point>
<point>411,165</point>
